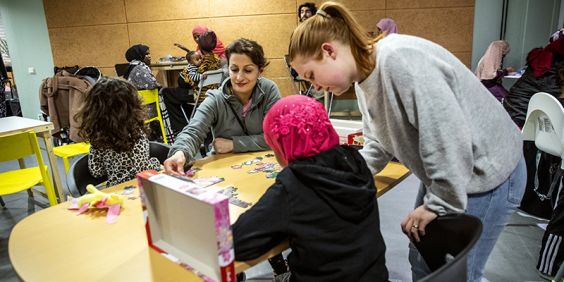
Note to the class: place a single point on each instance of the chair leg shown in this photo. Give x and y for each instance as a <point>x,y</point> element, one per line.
<point>163,131</point>
<point>66,164</point>
<point>2,203</point>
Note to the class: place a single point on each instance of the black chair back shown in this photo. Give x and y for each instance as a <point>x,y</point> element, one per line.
<point>79,177</point>
<point>121,69</point>
<point>451,235</point>
<point>159,150</point>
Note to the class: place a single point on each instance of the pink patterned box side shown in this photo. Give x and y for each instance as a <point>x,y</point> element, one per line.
<point>220,203</point>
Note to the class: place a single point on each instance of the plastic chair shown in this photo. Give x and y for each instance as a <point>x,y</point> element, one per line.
<point>121,69</point>
<point>448,258</point>
<point>159,151</point>
<point>152,97</point>
<point>16,147</point>
<point>545,125</point>
<point>71,150</point>
<point>79,175</point>
<point>212,77</point>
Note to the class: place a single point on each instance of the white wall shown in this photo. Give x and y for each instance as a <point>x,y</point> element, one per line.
<point>529,24</point>
<point>487,26</point>
<point>28,42</point>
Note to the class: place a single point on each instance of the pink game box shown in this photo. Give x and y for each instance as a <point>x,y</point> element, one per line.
<point>188,224</point>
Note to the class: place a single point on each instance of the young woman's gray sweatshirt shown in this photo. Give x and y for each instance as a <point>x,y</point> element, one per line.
<point>426,108</point>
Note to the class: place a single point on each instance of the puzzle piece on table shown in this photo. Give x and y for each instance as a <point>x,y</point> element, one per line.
<point>240,203</point>
<point>191,172</point>
<point>208,181</point>
<point>231,193</point>
<point>271,175</point>
<point>128,190</point>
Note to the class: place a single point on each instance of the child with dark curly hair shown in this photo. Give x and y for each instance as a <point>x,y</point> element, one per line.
<point>112,119</point>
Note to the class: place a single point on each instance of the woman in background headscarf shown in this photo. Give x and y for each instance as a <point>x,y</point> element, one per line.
<point>490,69</point>
<point>386,26</point>
<point>139,73</point>
<point>197,31</point>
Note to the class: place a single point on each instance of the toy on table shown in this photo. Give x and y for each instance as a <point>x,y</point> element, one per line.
<point>100,200</point>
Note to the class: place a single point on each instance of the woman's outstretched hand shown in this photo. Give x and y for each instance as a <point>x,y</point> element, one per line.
<point>175,164</point>
<point>415,222</point>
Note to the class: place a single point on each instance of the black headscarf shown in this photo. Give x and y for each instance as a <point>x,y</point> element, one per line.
<point>135,52</point>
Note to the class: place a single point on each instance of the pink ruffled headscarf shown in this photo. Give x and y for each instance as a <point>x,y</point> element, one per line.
<point>387,25</point>
<point>297,127</point>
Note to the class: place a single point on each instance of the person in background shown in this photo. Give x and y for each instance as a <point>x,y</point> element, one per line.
<point>386,26</point>
<point>112,120</point>
<point>490,69</point>
<point>190,74</point>
<point>210,61</point>
<point>306,10</point>
<point>556,35</point>
<point>323,201</point>
<point>234,112</point>
<point>197,31</point>
<point>422,105</point>
<point>139,73</point>
<point>179,100</point>
<point>540,76</point>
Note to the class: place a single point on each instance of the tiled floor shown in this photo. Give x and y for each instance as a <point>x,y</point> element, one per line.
<point>513,258</point>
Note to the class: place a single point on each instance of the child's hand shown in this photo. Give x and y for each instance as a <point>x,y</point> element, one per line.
<point>222,145</point>
<point>509,69</point>
<point>175,164</point>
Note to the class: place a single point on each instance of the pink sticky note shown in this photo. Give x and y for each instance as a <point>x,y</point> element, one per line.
<point>83,208</point>
<point>113,213</point>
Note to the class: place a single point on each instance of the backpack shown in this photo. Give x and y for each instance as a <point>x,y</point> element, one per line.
<point>60,97</point>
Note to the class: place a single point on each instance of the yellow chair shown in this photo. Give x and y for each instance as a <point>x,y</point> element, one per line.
<point>152,97</point>
<point>16,147</point>
<point>67,151</point>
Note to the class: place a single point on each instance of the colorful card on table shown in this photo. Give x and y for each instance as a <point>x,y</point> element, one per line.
<point>208,181</point>
<point>188,224</point>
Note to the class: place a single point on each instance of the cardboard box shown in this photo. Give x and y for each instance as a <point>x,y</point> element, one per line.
<point>355,139</point>
<point>189,225</point>
<point>346,127</point>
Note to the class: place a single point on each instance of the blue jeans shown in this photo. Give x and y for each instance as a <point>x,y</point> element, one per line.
<point>494,209</point>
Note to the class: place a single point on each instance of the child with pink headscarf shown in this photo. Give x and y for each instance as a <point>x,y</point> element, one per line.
<point>323,201</point>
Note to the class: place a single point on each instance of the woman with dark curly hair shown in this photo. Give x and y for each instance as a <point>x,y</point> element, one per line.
<point>112,119</point>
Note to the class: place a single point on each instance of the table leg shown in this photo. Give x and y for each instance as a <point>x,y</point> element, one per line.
<point>53,162</point>
<point>22,166</point>
<point>164,75</point>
